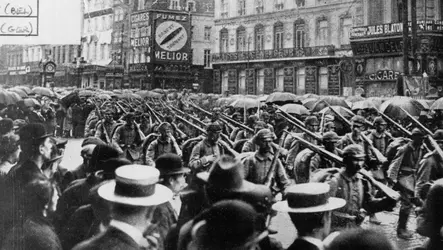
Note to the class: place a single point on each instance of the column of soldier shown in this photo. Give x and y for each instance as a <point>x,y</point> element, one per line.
<point>175,176</point>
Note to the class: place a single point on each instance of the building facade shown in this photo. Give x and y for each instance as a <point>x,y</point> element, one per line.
<point>377,45</point>
<point>294,46</point>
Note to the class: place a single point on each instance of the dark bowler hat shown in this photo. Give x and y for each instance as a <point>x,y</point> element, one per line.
<point>110,165</point>
<point>33,132</point>
<point>226,181</point>
<point>100,154</point>
<point>228,224</point>
<point>170,164</point>
<point>93,141</point>
<point>135,185</point>
<point>308,198</point>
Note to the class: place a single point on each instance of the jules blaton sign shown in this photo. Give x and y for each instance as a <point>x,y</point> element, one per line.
<point>394,28</point>
<point>172,37</point>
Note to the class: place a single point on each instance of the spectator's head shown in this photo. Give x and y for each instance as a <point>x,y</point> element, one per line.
<point>6,126</point>
<point>9,148</point>
<point>361,239</point>
<point>433,205</point>
<point>35,142</point>
<point>100,154</point>
<point>172,172</point>
<point>41,197</point>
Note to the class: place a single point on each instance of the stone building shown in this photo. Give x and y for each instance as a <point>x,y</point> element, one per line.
<point>377,45</point>
<point>299,46</point>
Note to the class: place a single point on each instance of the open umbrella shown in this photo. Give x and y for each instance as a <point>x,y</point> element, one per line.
<point>426,103</point>
<point>24,88</point>
<point>334,100</point>
<point>86,93</point>
<point>22,93</point>
<point>16,97</point>
<point>281,98</point>
<point>391,107</point>
<point>104,96</point>
<point>43,91</point>
<point>339,109</point>
<point>30,102</point>
<point>437,105</point>
<point>262,98</point>
<point>247,103</point>
<point>309,103</point>
<point>308,96</point>
<point>355,98</point>
<point>293,108</point>
<point>365,105</point>
<point>7,98</point>
<point>224,101</point>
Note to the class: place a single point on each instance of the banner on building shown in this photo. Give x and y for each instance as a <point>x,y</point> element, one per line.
<point>269,80</point>
<point>250,81</point>
<point>311,80</point>
<point>288,80</point>
<point>172,37</point>
<point>232,82</point>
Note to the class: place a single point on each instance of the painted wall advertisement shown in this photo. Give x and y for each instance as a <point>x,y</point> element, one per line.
<point>172,37</point>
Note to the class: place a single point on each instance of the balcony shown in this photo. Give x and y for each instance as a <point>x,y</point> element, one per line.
<point>270,54</point>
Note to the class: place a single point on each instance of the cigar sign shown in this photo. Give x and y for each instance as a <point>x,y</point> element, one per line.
<point>172,37</point>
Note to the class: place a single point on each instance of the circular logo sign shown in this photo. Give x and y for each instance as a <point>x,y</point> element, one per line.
<point>171,36</point>
<point>359,91</point>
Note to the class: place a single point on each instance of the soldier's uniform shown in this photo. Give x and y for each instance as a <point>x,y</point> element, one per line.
<point>402,171</point>
<point>159,147</point>
<point>127,139</point>
<point>430,169</point>
<point>103,126</point>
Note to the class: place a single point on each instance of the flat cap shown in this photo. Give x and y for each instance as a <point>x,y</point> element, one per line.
<point>353,151</point>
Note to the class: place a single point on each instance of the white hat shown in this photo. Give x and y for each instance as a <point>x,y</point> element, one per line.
<point>136,185</point>
<point>308,198</point>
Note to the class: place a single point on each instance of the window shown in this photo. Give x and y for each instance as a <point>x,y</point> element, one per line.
<point>322,32</point>
<point>300,3</point>
<point>89,25</point>
<point>95,51</point>
<point>175,5</point>
<point>279,4</point>
<point>375,12</point>
<point>190,5</point>
<point>207,33</point>
<point>299,34</point>
<point>241,7</point>
<point>259,37</point>
<point>207,58</point>
<point>346,26</point>
<point>224,9</point>
<point>259,6</point>
<point>241,39</point>
<point>300,81</point>
<point>224,37</point>
<point>278,36</point>
<point>102,51</point>
<point>104,24</point>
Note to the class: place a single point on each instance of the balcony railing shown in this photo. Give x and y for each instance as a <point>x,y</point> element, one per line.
<point>273,54</point>
<point>391,29</point>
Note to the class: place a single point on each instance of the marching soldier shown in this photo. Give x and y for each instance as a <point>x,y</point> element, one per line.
<point>165,143</point>
<point>329,140</point>
<point>379,136</point>
<point>105,127</point>
<point>402,173</point>
<point>127,139</point>
<point>208,150</point>
<point>358,126</point>
<point>257,166</point>
<point>351,186</point>
<point>430,168</point>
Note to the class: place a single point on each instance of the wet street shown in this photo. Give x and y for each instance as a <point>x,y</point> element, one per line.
<point>282,223</point>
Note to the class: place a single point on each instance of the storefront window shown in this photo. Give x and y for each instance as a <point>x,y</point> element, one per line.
<point>260,81</point>
<point>279,81</point>
<point>323,81</point>
<point>225,78</point>
<point>242,82</point>
<point>300,81</point>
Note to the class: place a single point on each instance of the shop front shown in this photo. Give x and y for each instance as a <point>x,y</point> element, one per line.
<point>139,76</point>
<point>300,71</point>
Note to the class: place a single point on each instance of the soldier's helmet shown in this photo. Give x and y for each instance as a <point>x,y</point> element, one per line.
<point>380,121</point>
<point>330,137</point>
<point>353,151</point>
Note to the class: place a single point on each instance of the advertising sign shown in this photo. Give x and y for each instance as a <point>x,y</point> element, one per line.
<point>140,29</point>
<point>172,37</point>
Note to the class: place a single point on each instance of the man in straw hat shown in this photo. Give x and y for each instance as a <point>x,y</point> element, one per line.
<point>134,195</point>
<point>309,207</point>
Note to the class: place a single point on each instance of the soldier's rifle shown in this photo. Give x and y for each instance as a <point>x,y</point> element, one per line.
<point>153,113</point>
<point>429,135</point>
<point>339,160</point>
<point>292,120</point>
<point>378,155</point>
<point>100,116</point>
<point>183,114</point>
<point>270,177</point>
<point>225,119</point>
<point>139,131</point>
<point>400,127</point>
<point>227,145</point>
<point>182,134</point>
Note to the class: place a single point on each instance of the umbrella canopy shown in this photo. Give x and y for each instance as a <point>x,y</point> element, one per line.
<point>426,103</point>
<point>30,102</point>
<point>22,93</point>
<point>224,101</point>
<point>437,105</point>
<point>147,93</point>
<point>308,96</point>
<point>293,108</point>
<point>8,98</point>
<point>262,98</point>
<point>247,103</point>
<point>43,91</point>
<point>309,103</point>
<point>335,100</point>
<point>355,98</point>
<point>339,109</point>
<point>283,98</point>
<point>392,106</point>
<point>24,88</point>
<point>366,104</point>
<point>86,93</point>
<point>161,91</point>
<point>104,96</point>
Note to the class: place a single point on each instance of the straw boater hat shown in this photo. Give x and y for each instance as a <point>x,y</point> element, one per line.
<point>135,185</point>
<point>308,198</point>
